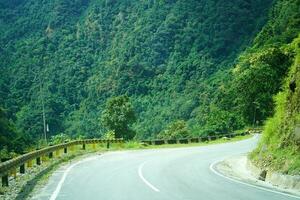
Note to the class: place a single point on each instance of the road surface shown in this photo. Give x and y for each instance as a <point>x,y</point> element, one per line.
<point>158,174</point>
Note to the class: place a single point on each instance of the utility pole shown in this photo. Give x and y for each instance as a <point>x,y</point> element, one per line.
<point>43,112</point>
<point>256,106</point>
<point>253,124</point>
<point>42,95</point>
<point>44,121</point>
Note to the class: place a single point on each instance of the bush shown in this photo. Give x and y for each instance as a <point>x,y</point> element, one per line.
<point>60,138</point>
<point>110,135</point>
<point>175,130</point>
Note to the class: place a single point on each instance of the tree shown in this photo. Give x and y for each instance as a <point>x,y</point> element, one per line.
<point>10,139</point>
<point>60,138</point>
<point>256,79</point>
<point>110,135</point>
<point>7,132</point>
<point>118,115</point>
<point>175,130</point>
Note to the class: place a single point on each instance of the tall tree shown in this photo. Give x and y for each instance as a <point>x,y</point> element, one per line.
<point>118,115</point>
<point>9,137</point>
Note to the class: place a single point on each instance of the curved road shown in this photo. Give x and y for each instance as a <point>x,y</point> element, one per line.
<point>159,174</point>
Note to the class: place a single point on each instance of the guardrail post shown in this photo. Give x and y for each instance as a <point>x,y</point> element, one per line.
<point>83,146</point>
<point>29,163</point>
<point>4,180</point>
<point>57,153</point>
<point>65,150</point>
<point>14,172</point>
<point>38,160</point>
<point>44,158</point>
<point>22,168</point>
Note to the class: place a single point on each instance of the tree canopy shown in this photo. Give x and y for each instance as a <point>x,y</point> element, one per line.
<point>175,130</point>
<point>118,115</point>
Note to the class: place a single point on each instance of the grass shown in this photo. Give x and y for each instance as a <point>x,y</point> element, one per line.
<point>285,160</point>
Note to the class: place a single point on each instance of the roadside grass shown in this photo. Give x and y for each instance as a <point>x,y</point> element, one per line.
<point>284,160</point>
<point>277,150</point>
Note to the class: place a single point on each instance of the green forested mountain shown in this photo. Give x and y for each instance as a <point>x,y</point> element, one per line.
<point>212,64</point>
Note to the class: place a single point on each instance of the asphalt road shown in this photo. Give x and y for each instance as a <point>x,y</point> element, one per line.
<point>159,174</point>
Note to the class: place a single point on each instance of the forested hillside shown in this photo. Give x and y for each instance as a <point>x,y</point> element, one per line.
<point>279,149</point>
<point>280,146</point>
<point>210,65</point>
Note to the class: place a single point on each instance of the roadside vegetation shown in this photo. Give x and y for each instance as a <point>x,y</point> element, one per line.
<point>279,149</point>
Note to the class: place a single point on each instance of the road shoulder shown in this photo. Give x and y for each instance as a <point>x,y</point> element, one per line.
<point>239,168</point>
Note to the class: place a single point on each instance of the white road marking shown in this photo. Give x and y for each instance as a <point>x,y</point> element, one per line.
<point>144,180</point>
<point>211,167</point>
<point>63,178</point>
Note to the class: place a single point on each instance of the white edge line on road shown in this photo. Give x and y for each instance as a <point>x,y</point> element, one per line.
<point>144,180</point>
<point>211,167</point>
<point>63,178</point>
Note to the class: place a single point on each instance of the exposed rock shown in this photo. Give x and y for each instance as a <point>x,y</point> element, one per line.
<point>262,175</point>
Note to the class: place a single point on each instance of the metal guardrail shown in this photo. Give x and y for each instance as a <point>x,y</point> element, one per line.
<point>10,166</point>
<point>199,139</point>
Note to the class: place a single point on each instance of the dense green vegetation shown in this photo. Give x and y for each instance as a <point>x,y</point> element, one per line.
<point>175,130</point>
<point>280,147</point>
<point>188,67</point>
<point>274,58</point>
<point>117,117</point>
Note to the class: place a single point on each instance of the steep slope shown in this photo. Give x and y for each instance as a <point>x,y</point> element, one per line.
<point>280,146</point>
<point>273,62</point>
<point>168,56</point>
<point>242,95</point>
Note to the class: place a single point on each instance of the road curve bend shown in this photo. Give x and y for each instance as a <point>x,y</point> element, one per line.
<point>158,174</point>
